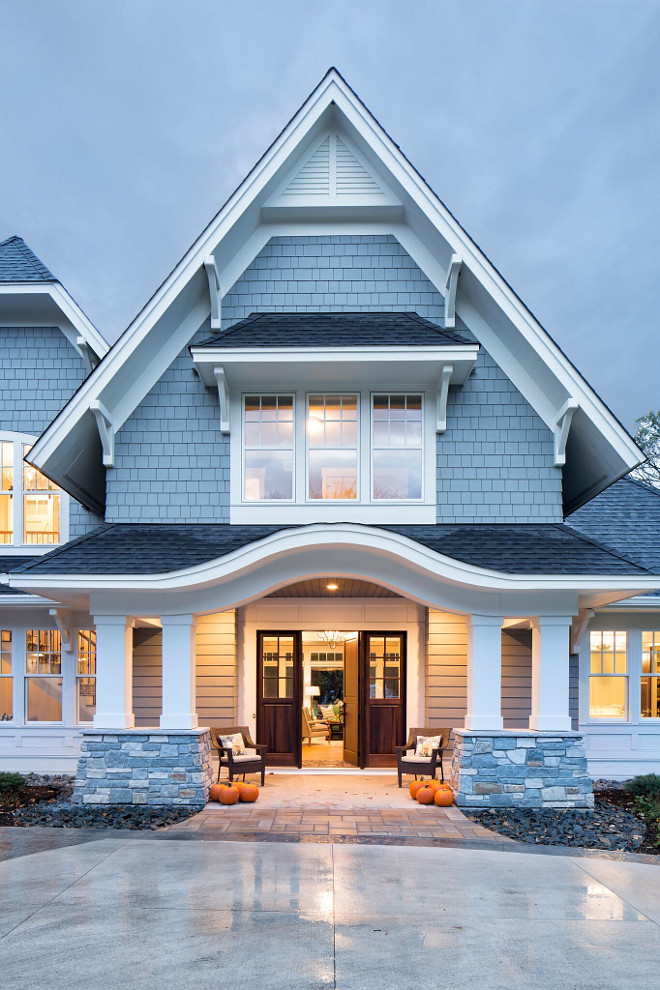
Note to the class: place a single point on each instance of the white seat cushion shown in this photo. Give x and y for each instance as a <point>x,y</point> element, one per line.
<point>250,754</point>
<point>415,759</point>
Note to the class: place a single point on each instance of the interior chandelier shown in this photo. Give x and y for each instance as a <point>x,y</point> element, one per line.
<point>333,637</point>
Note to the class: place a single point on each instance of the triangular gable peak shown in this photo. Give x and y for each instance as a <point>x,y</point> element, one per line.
<point>335,167</point>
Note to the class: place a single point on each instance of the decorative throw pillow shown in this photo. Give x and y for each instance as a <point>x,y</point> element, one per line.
<point>337,709</point>
<point>426,745</point>
<point>327,711</point>
<point>235,743</point>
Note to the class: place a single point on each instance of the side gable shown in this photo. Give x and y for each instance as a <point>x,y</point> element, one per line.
<point>69,451</point>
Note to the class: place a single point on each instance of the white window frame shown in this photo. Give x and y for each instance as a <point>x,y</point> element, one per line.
<point>78,677</point>
<point>648,719</point>
<point>28,676</point>
<point>609,720</point>
<point>359,446</point>
<point>363,509</point>
<point>421,448</point>
<point>10,676</point>
<point>18,546</point>
<point>244,448</point>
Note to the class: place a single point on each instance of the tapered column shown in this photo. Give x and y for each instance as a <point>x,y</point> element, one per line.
<point>484,672</point>
<point>550,673</point>
<point>114,672</point>
<point>179,680</point>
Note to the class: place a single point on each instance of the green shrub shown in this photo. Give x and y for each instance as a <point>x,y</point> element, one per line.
<point>10,783</point>
<point>646,786</point>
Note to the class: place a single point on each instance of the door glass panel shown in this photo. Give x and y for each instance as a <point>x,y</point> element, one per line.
<point>384,653</point>
<point>277,666</point>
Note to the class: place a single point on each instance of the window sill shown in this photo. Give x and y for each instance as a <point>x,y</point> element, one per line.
<point>273,513</point>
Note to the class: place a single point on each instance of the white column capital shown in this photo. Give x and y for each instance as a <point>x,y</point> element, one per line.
<point>476,620</point>
<point>540,621</point>
<point>127,621</point>
<point>184,619</point>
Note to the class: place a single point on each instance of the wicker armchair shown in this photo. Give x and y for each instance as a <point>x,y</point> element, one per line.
<point>253,762</point>
<point>425,766</point>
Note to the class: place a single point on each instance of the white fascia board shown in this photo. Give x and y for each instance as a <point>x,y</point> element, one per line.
<point>75,323</point>
<point>359,366</point>
<point>388,546</point>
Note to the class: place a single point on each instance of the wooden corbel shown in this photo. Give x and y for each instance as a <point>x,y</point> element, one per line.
<point>89,356</point>
<point>214,292</point>
<point>443,395</point>
<point>106,430</point>
<point>579,627</point>
<point>223,396</point>
<point>562,426</point>
<point>450,287</point>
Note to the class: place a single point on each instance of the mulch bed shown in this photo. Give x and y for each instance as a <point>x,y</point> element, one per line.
<point>612,825</point>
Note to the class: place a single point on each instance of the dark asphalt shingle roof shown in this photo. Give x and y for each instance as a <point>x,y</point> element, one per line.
<point>625,517</point>
<point>336,330</point>
<point>12,563</point>
<point>133,548</point>
<point>19,264</point>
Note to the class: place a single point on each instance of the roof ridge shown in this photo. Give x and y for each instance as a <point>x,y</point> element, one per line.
<point>602,546</point>
<point>647,486</point>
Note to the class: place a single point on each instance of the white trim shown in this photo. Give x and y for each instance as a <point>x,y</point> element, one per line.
<point>73,323</point>
<point>449,289</point>
<point>106,430</point>
<point>223,399</point>
<point>214,292</point>
<point>19,440</point>
<point>562,426</point>
<point>442,396</point>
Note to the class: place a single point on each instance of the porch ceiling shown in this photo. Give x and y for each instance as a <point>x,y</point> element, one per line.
<point>346,588</point>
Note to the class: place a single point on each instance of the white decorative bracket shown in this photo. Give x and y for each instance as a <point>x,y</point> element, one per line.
<point>443,395</point>
<point>62,621</point>
<point>214,292</point>
<point>223,396</point>
<point>89,356</point>
<point>106,431</point>
<point>451,284</point>
<point>579,627</point>
<point>562,426</point>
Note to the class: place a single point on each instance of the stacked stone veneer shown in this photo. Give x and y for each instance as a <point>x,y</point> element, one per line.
<point>521,769</point>
<point>143,766</point>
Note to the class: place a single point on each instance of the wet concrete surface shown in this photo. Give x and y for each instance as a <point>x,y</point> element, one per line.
<point>140,912</point>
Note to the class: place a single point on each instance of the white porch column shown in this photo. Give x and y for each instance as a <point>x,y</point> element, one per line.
<point>484,672</point>
<point>550,673</point>
<point>179,680</point>
<point>114,672</point>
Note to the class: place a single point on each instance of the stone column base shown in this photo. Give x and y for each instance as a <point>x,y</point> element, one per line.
<point>151,767</point>
<point>520,768</point>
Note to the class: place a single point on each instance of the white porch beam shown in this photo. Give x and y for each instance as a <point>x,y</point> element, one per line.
<point>561,428</point>
<point>550,673</point>
<point>106,428</point>
<point>114,672</point>
<point>449,289</point>
<point>484,672</point>
<point>443,395</point>
<point>178,665</point>
<point>214,291</point>
<point>223,398</point>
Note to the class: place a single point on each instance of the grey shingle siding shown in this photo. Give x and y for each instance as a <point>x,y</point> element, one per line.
<point>40,370</point>
<point>494,461</point>
<point>326,272</point>
<point>171,461</point>
<point>19,264</point>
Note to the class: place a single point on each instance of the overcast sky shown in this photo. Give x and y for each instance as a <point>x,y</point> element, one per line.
<point>125,124</point>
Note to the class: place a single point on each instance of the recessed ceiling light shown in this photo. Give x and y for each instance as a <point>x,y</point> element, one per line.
<point>332,586</point>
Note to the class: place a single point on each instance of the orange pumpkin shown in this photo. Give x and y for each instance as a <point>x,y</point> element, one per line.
<point>435,785</point>
<point>249,793</point>
<point>229,794</point>
<point>414,787</point>
<point>444,797</point>
<point>425,794</point>
<point>214,793</point>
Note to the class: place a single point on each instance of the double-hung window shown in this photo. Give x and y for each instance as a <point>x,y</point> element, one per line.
<point>43,682</point>
<point>268,448</point>
<point>396,447</point>
<point>332,447</point>
<point>650,675</point>
<point>86,676</point>
<point>608,675</point>
<point>30,504</point>
<point>6,679</point>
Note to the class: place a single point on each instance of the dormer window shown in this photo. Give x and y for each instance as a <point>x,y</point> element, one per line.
<point>332,447</point>
<point>30,504</point>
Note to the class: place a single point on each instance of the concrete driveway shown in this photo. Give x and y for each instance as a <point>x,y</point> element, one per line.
<point>130,913</point>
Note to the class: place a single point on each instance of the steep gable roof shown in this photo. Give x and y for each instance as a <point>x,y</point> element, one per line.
<point>598,449</point>
<point>19,264</point>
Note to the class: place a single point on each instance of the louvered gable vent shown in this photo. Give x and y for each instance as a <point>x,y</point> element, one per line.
<point>313,179</point>
<point>352,177</point>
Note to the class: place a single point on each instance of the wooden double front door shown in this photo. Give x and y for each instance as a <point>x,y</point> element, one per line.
<point>374,697</point>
